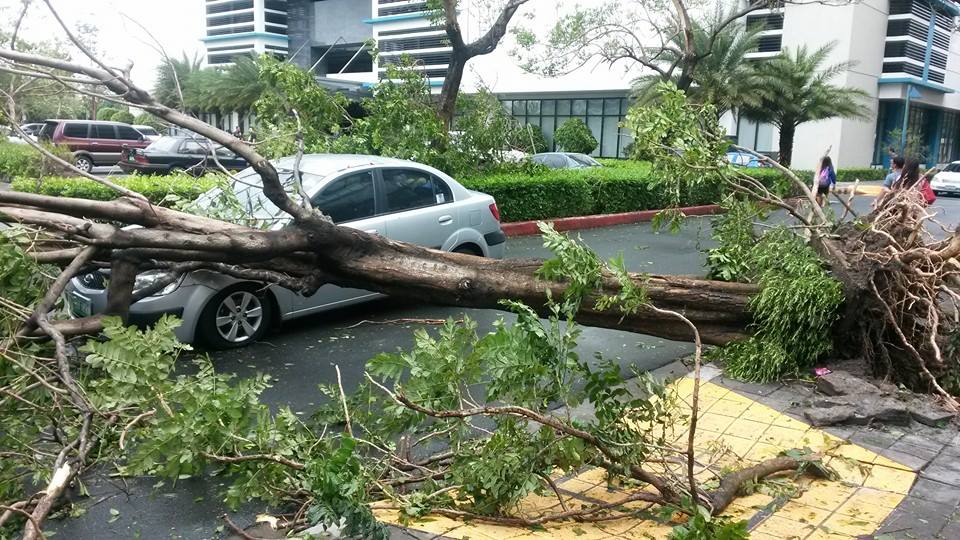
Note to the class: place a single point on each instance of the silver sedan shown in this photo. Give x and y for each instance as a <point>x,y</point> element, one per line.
<point>401,200</point>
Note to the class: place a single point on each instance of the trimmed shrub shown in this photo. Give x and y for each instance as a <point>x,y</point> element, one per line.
<point>106,113</point>
<point>529,138</point>
<point>147,119</point>
<point>574,136</point>
<point>123,116</point>
<point>522,197</point>
<point>162,190</point>
<point>23,160</point>
<point>864,174</point>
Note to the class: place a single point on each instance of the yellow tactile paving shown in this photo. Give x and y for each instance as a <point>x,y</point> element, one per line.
<point>730,429</point>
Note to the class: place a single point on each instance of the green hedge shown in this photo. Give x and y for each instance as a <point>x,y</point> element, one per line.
<point>23,160</point>
<point>864,174</point>
<point>155,188</point>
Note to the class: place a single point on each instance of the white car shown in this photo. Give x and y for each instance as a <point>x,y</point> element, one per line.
<point>947,181</point>
<point>400,200</point>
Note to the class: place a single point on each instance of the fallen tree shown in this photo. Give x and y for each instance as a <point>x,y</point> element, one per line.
<point>892,276</point>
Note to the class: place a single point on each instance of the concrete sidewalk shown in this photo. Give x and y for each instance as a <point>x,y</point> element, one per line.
<point>894,483</point>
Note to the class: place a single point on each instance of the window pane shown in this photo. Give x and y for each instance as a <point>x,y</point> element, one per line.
<point>128,133</point>
<point>193,148</point>
<point>533,121</point>
<point>548,127</point>
<point>441,191</point>
<point>563,106</point>
<point>611,106</point>
<point>533,107</point>
<point>548,107</point>
<point>102,131</point>
<point>595,106</point>
<point>519,107</point>
<point>594,123</point>
<point>75,130</point>
<point>507,105</point>
<point>347,198</point>
<point>406,189</point>
<point>610,129</point>
<point>579,107</point>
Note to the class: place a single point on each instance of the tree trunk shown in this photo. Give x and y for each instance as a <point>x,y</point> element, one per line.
<point>787,132</point>
<point>451,87</point>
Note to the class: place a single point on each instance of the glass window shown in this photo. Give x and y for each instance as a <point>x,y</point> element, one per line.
<point>164,144</point>
<point>610,129</point>
<point>611,107</point>
<point>563,107</point>
<point>579,107</point>
<point>533,106</point>
<point>595,123</point>
<point>127,133</point>
<point>547,126</point>
<point>347,198</point>
<point>75,130</point>
<point>147,131</point>
<point>508,106</point>
<point>953,167</point>
<point>519,107</point>
<point>193,148</point>
<point>406,189</point>
<point>102,131</point>
<point>554,161</point>
<point>583,159</point>
<point>595,106</point>
<point>548,107</point>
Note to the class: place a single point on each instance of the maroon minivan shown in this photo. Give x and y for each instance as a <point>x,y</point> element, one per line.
<point>92,142</point>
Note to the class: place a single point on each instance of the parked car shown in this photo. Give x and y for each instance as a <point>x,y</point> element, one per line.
<point>169,154</point>
<point>947,181</point>
<point>149,132</point>
<point>93,143</point>
<point>565,160</point>
<point>400,200</point>
<point>32,129</point>
<point>744,159</point>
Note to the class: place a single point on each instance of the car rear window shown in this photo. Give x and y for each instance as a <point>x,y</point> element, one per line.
<point>165,144</point>
<point>75,130</point>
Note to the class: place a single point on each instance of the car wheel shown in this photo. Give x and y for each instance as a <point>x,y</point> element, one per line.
<point>84,163</point>
<point>235,317</point>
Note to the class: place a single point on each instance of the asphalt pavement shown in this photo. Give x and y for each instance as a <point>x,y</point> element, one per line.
<point>301,355</point>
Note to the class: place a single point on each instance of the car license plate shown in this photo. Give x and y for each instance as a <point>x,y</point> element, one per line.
<point>130,157</point>
<point>79,305</point>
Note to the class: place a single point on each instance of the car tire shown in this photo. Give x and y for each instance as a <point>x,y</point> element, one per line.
<point>235,317</point>
<point>83,162</point>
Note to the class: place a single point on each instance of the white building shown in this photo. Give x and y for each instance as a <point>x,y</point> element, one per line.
<point>900,48</point>
<point>244,26</point>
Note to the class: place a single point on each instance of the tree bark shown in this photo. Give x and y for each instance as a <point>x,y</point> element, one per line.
<point>787,132</point>
<point>451,87</point>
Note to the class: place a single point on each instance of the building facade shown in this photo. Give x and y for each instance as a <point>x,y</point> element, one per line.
<point>336,39</point>
<point>900,53</point>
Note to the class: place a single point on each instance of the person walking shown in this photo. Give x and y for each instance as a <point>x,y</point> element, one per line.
<point>238,132</point>
<point>826,179</point>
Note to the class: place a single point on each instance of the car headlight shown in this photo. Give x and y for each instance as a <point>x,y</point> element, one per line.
<point>148,278</point>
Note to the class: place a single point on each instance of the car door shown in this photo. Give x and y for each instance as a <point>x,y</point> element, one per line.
<point>419,205</point>
<point>193,154</point>
<point>349,200</point>
<point>104,145</point>
<point>131,138</point>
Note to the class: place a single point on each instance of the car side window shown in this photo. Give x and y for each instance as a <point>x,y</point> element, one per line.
<point>347,198</point>
<point>102,131</point>
<point>406,189</point>
<point>128,134</point>
<point>75,130</point>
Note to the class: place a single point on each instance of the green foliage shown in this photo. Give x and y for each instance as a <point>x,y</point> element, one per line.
<point>864,174</point>
<point>529,138</point>
<point>574,136</point>
<point>703,526</point>
<point>171,79</point>
<point>158,189</point>
<point>734,234</point>
<point>22,280</point>
<point>795,309</point>
<point>122,116</point>
<point>106,113</point>
<point>288,88</point>
<point>18,160</point>
<point>484,130</point>
<point>147,119</point>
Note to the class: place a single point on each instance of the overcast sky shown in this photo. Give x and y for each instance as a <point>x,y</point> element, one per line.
<point>177,24</point>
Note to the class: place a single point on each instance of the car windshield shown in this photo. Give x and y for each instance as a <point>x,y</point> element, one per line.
<point>953,167</point>
<point>245,202</point>
<point>584,160</point>
<point>165,144</point>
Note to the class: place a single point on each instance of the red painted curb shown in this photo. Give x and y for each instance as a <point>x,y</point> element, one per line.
<point>527,228</point>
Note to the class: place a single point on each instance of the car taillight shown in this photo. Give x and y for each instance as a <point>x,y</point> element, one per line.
<point>140,158</point>
<point>495,211</point>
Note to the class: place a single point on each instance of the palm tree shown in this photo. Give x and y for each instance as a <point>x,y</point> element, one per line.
<point>796,89</point>
<point>171,79</point>
<point>722,77</point>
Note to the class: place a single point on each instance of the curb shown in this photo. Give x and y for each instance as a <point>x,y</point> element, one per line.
<point>527,228</point>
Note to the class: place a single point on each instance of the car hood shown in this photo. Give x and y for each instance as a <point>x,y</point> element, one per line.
<point>947,177</point>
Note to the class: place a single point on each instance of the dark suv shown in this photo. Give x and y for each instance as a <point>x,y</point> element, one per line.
<point>93,143</point>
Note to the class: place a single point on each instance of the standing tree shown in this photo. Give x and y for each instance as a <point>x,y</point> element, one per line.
<point>797,89</point>
<point>723,77</point>
<point>171,77</point>
<point>462,51</point>
<point>574,136</point>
